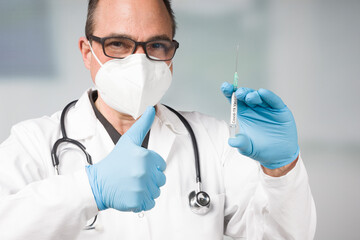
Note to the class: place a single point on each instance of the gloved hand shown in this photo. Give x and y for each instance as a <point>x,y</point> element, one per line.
<point>267,127</point>
<point>128,179</point>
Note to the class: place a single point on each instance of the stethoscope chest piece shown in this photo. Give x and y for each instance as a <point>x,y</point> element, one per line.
<point>199,202</point>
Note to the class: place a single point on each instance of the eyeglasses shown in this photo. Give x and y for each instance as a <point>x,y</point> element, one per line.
<point>121,47</point>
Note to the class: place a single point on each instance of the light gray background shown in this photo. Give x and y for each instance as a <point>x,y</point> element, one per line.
<point>308,52</point>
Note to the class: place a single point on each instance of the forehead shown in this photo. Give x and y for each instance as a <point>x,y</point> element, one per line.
<point>140,19</point>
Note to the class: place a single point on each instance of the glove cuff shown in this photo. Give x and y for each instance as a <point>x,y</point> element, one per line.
<point>283,162</point>
<point>94,187</point>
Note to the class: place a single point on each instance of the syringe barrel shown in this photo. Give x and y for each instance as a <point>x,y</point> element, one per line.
<point>233,111</point>
<point>232,131</point>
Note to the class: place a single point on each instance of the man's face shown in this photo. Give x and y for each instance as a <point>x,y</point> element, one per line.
<point>140,20</point>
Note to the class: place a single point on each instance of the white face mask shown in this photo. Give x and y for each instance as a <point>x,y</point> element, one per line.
<point>132,84</point>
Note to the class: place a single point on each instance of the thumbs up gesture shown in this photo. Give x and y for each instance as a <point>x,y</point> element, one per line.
<point>129,178</point>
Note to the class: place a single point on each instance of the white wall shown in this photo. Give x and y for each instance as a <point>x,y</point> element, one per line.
<point>29,97</point>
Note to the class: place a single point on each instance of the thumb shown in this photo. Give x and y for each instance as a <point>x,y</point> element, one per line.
<point>141,127</point>
<point>242,143</point>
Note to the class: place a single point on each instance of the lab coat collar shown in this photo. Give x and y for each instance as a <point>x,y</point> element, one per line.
<point>81,122</point>
<point>170,120</point>
<point>164,130</point>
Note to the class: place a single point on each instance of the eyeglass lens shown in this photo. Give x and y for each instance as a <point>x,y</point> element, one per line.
<point>119,47</point>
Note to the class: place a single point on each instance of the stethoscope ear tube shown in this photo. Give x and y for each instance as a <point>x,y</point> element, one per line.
<point>55,158</point>
<point>62,118</point>
<point>65,139</point>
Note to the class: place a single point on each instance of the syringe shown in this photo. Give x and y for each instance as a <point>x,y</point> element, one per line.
<point>233,110</point>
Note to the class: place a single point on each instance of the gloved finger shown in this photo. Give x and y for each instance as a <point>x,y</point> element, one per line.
<point>159,165</point>
<point>240,95</point>
<point>160,178</point>
<point>242,92</point>
<point>271,99</point>
<point>136,210</point>
<point>148,202</point>
<point>141,127</point>
<point>242,143</point>
<point>253,99</point>
<point>227,89</point>
<point>153,189</point>
<point>134,201</point>
<point>142,202</point>
<point>158,161</point>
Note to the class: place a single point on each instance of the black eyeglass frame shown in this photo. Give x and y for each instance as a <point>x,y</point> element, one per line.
<point>143,44</point>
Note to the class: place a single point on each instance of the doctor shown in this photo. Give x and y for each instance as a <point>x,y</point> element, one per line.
<point>143,160</point>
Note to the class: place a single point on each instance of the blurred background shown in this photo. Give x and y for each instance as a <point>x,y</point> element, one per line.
<point>308,52</point>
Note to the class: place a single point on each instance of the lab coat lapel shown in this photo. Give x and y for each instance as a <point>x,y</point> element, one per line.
<point>100,145</point>
<point>161,139</point>
<point>164,130</point>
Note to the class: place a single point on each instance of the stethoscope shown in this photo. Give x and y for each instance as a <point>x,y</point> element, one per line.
<point>199,201</point>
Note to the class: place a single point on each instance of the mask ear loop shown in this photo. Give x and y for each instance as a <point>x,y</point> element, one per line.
<point>171,63</point>
<point>96,58</point>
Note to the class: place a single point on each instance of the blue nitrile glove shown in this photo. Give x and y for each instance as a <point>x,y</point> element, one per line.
<point>128,179</point>
<point>267,127</point>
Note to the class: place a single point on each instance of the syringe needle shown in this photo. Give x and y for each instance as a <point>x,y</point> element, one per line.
<point>236,76</point>
<point>237,57</point>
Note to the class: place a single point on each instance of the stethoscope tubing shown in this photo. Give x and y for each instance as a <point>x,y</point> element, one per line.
<point>65,139</point>
<point>194,143</point>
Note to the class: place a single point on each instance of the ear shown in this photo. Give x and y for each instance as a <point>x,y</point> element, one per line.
<point>85,51</point>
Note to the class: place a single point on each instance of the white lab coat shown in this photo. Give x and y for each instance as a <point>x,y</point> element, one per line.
<point>245,203</point>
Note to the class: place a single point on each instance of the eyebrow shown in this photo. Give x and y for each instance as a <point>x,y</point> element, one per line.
<point>159,37</point>
<point>154,38</point>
